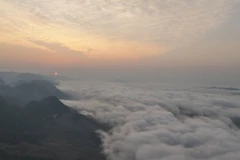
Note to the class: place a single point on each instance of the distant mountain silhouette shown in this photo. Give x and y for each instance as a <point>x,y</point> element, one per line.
<point>14,78</point>
<point>35,125</point>
<point>28,91</point>
<point>118,81</point>
<point>226,88</point>
<point>47,130</point>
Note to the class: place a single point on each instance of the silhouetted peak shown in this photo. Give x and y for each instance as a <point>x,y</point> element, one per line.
<point>52,100</point>
<point>48,105</point>
<point>35,83</point>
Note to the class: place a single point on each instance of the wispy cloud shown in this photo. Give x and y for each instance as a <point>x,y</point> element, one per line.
<point>111,26</point>
<point>57,47</point>
<point>149,20</point>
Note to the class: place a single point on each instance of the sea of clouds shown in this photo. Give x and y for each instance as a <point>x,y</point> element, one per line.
<point>158,122</point>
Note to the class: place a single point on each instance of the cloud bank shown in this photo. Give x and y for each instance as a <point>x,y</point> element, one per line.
<point>150,123</point>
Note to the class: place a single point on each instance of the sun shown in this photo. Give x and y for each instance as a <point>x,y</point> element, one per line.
<point>55,74</point>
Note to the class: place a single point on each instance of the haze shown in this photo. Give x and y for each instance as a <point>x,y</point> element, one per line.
<point>134,39</point>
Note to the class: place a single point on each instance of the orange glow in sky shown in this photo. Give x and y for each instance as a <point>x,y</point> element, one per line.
<point>112,32</point>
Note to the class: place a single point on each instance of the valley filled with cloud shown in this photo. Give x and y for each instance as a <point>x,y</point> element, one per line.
<point>154,122</point>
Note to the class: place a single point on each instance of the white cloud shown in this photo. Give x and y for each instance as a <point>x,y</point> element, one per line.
<point>156,124</point>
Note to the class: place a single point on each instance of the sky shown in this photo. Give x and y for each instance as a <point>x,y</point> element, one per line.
<point>123,37</point>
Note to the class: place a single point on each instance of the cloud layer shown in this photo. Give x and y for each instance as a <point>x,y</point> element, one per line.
<point>115,23</point>
<point>159,123</point>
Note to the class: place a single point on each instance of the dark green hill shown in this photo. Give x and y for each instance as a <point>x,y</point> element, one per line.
<point>47,130</point>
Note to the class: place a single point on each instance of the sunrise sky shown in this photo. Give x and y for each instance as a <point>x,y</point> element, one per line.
<point>63,35</point>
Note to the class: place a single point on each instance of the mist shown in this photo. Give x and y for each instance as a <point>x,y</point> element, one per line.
<point>157,121</point>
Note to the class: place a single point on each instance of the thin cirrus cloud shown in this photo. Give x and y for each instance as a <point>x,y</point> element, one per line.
<point>57,47</point>
<point>113,27</point>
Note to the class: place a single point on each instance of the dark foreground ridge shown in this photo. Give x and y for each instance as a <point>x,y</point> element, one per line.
<point>47,130</point>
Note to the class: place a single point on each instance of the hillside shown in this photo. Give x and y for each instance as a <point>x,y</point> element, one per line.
<point>47,130</point>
